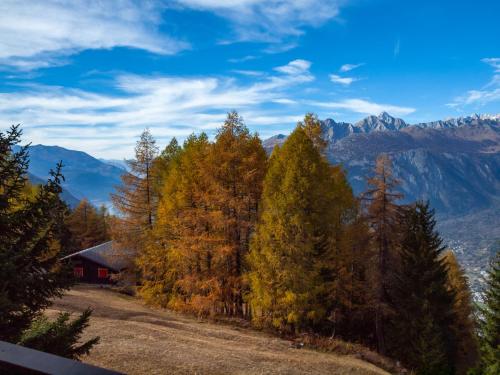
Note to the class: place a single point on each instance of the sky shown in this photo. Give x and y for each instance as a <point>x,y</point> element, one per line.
<point>92,75</point>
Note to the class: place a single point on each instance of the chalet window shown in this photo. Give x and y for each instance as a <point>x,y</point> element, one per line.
<point>78,271</point>
<point>102,273</point>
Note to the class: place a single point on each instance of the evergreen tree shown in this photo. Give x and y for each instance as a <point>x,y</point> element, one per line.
<point>382,216</point>
<point>464,325</point>
<point>422,326</point>
<point>30,248</point>
<point>350,290</point>
<point>61,337</point>
<point>490,321</point>
<point>291,250</point>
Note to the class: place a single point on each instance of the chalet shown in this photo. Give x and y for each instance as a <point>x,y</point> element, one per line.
<point>96,264</point>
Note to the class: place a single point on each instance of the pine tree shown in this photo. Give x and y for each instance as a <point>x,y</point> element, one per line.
<point>422,324</point>
<point>490,321</point>
<point>464,325</point>
<point>30,248</point>
<point>291,250</point>
<point>382,216</point>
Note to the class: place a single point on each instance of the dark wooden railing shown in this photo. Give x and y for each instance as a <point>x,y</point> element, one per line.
<point>17,359</point>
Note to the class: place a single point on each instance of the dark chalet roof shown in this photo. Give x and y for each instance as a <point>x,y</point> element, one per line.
<point>103,254</point>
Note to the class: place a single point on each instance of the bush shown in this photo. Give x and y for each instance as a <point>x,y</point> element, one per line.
<point>59,337</point>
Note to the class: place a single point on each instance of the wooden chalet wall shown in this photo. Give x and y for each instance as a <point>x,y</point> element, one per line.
<point>90,271</point>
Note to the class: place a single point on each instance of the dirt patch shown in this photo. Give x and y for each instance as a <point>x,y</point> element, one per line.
<point>136,339</point>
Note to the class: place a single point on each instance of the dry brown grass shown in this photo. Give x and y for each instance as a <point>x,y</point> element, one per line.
<point>333,345</point>
<point>136,339</point>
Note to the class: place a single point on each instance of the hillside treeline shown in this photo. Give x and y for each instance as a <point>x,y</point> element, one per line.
<point>220,228</point>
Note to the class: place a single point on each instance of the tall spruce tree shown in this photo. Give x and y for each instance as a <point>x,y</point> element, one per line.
<point>422,335</point>
<point>489,326</point>
<point>290,257</point>
<point>382,216</point>
<point>31,274</point>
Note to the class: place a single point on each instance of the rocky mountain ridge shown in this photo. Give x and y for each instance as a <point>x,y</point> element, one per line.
<point>336,131</point>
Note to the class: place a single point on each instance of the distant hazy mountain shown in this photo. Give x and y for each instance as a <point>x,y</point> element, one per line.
<point>453,163</point>
<point>119,163</point>
<point>85,176</point>
<point>65,195</point>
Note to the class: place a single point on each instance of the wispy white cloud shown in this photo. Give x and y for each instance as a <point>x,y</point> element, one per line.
<point>280,47</point>
<point>36,34</point>
<point>251,73</point>
<point>476,97</point>
<point>295,67</point>
<point>269,20</point>
<point>494,62</point>
<point>348,67</point>
<point>365,107</point>
<point>489,93</point>
<point>342,80</point>
<point>107,124</point>
<point>242,59</point>
<point>170,106</point>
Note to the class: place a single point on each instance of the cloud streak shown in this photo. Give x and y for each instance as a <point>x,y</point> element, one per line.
<point>346,81</point>
<point>348,67</point>
<point>487,94</point>
<point>171,106</point>
<point>269,21</point>
<point>36,34</point>
<point>107,125</point>
<point>365,107</point>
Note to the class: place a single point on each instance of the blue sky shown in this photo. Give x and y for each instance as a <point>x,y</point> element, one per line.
<point>91,75</point>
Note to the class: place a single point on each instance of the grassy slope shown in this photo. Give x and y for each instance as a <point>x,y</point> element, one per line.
<point>136,339</point>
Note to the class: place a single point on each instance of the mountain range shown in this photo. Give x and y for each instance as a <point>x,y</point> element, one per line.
<point>453,163</point>
<point>85,176</point>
